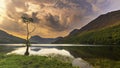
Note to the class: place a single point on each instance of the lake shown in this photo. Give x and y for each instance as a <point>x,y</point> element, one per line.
<point>42,49</point>
<point>73,50</point>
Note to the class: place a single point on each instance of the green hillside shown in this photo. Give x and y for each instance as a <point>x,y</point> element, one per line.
<point>108,36</point>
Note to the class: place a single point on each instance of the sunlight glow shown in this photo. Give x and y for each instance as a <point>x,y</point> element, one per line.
<point>2,10</point>
<point>2,4</point>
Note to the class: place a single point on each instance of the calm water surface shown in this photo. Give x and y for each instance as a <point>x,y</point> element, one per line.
<point>62,49</point>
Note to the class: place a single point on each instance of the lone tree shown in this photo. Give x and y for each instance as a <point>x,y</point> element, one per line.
<point>27,20</point>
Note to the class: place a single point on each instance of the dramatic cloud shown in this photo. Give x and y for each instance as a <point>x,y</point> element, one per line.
<point>52,18</point>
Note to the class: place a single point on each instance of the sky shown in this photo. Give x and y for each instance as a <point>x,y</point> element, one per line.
<point>52,18</point>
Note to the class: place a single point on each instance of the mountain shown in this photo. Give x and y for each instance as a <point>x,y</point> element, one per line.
<point>74,32</point>
<point>9,39</point>
<point>40,40</point>
<point>102,21</point>
<point>103,30</point>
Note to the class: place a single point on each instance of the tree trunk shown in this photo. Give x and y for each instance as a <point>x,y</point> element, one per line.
<point>27,50</point>
<point>27,40</point>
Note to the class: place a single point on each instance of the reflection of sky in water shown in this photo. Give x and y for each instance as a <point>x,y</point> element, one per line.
<point>41,51</point>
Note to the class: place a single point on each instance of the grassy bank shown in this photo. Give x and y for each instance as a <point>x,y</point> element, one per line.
<point>104,63</point>
<point>18,61</point>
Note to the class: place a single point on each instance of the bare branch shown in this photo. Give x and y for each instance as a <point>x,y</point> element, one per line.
<point>32,30</point>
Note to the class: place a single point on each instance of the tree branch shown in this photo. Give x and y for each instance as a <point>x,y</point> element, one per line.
<point>32,30</point>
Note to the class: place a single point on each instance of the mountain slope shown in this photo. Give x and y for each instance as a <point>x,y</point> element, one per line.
<point>40,40</point>
<point>103,30</point>
<point>7,38</point>
<point>102,21</point>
